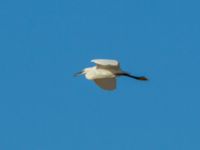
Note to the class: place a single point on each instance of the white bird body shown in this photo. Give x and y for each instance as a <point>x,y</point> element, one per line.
<point>105,72</point>
<point>94,73</point>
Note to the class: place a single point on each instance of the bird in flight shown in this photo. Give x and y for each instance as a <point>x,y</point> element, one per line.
<point>105,72</point>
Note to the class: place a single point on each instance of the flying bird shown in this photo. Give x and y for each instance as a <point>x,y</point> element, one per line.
<point>105,72</point>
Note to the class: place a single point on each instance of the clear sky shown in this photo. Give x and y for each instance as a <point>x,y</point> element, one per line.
<point>44,42</point>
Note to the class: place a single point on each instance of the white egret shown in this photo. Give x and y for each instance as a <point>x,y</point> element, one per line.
<point>105,72</point>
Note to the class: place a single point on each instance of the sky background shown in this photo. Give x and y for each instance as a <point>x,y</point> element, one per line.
<point>44,42</point>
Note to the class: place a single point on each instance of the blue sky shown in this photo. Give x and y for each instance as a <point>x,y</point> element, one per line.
<point>43,107</point>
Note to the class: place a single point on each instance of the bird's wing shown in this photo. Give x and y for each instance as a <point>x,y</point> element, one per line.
<point>106,63</point>
<point>106,83</point>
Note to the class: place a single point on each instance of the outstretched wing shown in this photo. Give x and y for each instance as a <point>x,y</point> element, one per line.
<point>106,63</point>
<point>106,83</point>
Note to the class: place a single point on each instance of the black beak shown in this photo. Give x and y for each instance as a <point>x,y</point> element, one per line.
<point>78,73</point>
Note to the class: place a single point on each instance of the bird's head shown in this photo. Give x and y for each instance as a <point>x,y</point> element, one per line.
<point>86,70</point>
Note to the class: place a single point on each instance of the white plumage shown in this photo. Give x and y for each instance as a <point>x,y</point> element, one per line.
<point>105,72</point>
